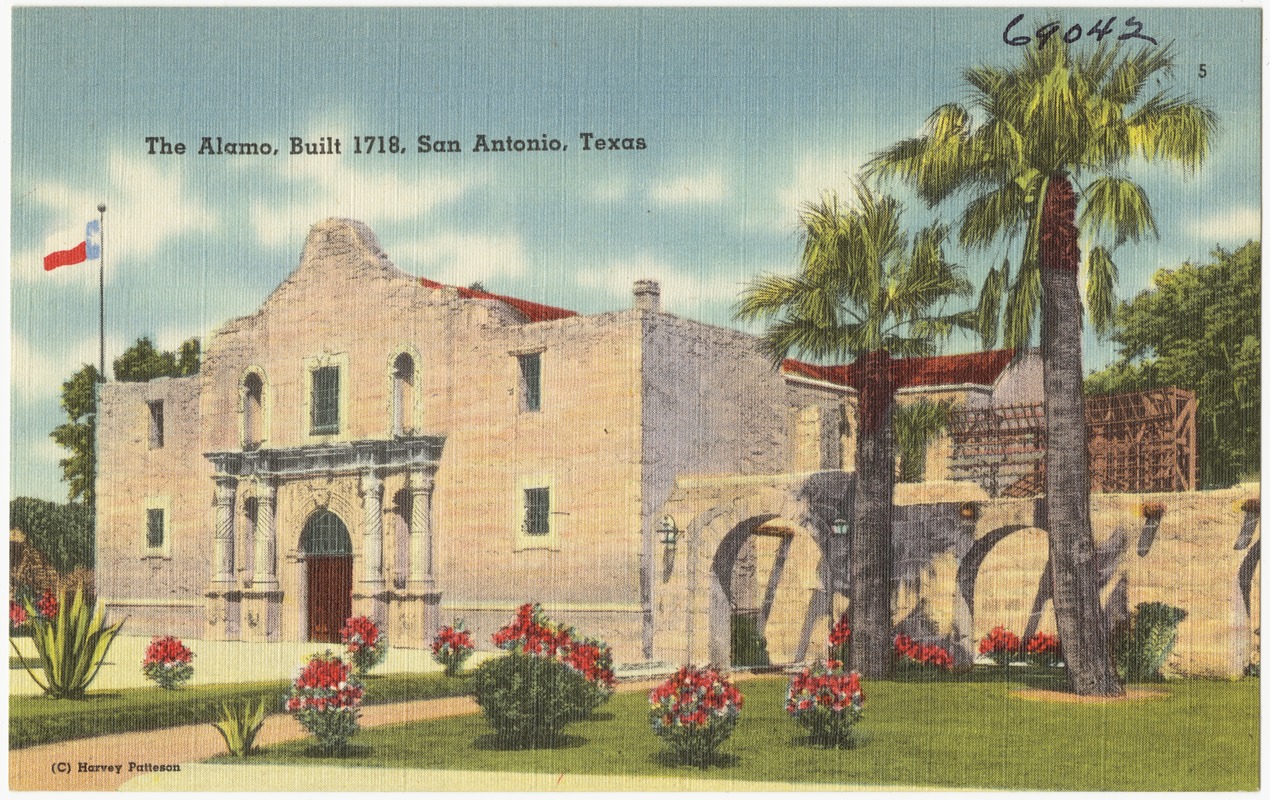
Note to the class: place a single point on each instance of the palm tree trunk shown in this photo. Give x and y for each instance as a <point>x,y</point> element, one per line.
<point>1077,608</point>
<point>869,614</point>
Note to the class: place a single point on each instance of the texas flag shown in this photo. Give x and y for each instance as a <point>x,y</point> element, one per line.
<point>86,250</point>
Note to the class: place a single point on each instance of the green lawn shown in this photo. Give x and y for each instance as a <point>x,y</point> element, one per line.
<point>39,720</point>
<point>1203,736</point>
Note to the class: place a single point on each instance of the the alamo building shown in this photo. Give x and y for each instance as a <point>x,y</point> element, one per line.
<point>370,442</point>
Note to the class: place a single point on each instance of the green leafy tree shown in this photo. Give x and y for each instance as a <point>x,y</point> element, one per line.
<point>79,469</point>
<point>1199,327</point>
<point>863,293</point>
<point>61,531</point>
<point>915,425</point>
<point>1058,118</point>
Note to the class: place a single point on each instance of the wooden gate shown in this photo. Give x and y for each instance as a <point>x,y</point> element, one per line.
<point>330,585</point>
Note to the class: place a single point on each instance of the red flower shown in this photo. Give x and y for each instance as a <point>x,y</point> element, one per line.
<point>841,633</point>
<point>17,614</point>
<point>47,606</point>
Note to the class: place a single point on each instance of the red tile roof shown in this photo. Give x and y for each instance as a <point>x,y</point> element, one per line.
<point>535,312</point>
<point>981,369</point>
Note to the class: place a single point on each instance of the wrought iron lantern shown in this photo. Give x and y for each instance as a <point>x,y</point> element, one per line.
<point>669,532</point>
<point>840,527</point>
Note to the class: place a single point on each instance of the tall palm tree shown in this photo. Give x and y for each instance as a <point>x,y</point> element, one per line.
<point>1057,119</point>
<point>862,293</point>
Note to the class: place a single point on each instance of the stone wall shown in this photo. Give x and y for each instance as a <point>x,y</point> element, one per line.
<point>958,576</point>
<point>159,590</point>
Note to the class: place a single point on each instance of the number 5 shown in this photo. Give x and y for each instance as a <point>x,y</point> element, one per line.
<point>1203,70</point>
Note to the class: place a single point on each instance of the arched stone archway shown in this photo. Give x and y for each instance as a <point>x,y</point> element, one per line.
<point>771,527</point>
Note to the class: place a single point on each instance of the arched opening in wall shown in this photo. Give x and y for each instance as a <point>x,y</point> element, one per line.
<point>764,581</point>
<point>328,566</point>
<point>1004,580</point>
<point>402,508</point>
<point>253,411</point>
<point>403,387</point>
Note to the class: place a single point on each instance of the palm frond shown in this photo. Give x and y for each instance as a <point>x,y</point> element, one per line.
<point>988,312</point>
<point>1176,129</point>
<point>992,213</point>
<point>1120,206</point>
<point>1100,289</point>
<point>1022,306</point>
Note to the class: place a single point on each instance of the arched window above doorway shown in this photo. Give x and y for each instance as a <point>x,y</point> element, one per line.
<point>325,535</point>
<point>253,391</point>
<point>403,394</point>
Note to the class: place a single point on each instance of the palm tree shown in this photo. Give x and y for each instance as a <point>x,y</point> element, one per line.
<point>862,293</point>
<point>1058,118</point>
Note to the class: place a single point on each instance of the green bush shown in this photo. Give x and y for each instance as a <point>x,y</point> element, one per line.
<point>72,645</point>
<point>529,699</point>
<point>1144,643</point>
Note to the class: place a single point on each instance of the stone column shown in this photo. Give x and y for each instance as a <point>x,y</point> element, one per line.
<point>373,538</point>
<point>223,598</point>
<point>370,594</point>
<point>422,574</point>
<point>223,544</point>
<point>266,554</point>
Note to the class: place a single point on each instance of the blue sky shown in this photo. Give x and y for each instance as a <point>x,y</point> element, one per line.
<point>746,114</point>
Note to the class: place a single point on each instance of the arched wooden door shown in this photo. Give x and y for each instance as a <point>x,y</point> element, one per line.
<point>328,559</point>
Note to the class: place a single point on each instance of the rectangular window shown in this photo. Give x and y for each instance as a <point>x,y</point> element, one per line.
<point>530,381</point>
<point>538,511</point>
<point>156,424</point>
<point>154,528</point>
<point>324,410</point>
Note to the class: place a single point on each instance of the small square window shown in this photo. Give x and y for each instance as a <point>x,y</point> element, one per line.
<point>538,511</point>
<point>530,381</point>
<point>154,528</point>
<point>324,409</point>
<point>156,424</point>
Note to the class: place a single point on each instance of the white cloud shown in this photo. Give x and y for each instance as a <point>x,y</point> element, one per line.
<point>680,291</point>
<point>1232,227</point>
<point>39,374</point>
<point>147,202</point>
<point>461,258</point>
<point>814,175</point>
<point>339,186</point>
<point>707,187</point>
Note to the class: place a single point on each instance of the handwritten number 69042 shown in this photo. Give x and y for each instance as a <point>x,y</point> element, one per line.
<point>1073,34</point>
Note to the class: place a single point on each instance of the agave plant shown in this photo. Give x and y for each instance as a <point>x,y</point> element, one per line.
<point>239,725</point>
<point>71,645</point>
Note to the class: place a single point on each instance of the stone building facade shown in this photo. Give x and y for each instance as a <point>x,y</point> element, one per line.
<point>369,442</point>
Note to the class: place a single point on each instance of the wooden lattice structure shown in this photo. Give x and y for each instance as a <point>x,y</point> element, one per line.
<point>1138,442</point>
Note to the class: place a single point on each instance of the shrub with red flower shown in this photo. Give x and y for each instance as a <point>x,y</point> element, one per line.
<point>1044,650</point>
<point>1152,511</point>
<point>695,711</point>
<point>549,677</point>
<point>913,655</point>
<point>839,640</point>
<point>452,646</point>
<point>365,646</point>
<point>326,699</point>
<point>47,605</point>
<point>827,702</point>
<point>167,662</point>
<point>1001,645</point>
<point>17,615</point>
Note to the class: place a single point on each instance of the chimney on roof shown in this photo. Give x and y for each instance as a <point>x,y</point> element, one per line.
<point>647,295</point>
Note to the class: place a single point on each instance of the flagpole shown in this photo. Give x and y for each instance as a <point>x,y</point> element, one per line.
<point>101,290</point>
